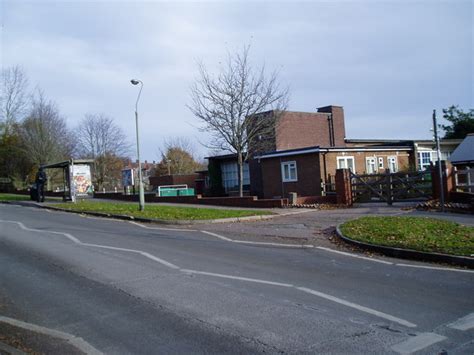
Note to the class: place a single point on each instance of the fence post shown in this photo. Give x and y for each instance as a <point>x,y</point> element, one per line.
<point>446,181</point>
<point>388,187</point>
<point>469,181</point>
<point>343,187</point>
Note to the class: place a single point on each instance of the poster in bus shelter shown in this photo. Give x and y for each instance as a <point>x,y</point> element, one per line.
<point>127,177</point>
<point>81,179</point>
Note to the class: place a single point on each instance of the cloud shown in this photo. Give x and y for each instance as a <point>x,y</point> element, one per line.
<point>388,63</point>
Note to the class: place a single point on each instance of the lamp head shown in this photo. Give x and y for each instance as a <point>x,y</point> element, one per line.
<point>135,81</point>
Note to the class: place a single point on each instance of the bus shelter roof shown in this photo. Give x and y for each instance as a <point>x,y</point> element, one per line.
<point>66,163</point>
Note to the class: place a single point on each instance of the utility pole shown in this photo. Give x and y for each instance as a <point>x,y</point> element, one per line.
<point>440,169</point>
<point>141,192</point>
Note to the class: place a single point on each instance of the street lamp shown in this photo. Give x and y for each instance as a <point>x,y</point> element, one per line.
<point>140,180</point>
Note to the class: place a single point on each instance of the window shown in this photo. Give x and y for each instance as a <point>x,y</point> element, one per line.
<point>393,164</point>
<point>380,162</point>
<point>370,166</point>
<point>230,175</point>
<point>346,163</point>
<point>424,160</point>
<point>288,171</point>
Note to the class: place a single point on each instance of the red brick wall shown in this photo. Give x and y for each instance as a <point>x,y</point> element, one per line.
<point>316,199</point>
<point>360,162</point>
<point>338,123</point>
<point>308,174</point>
<point>302,129</point>
<point>343,187</point>
<point>248,201</point>
<point>307,129</point>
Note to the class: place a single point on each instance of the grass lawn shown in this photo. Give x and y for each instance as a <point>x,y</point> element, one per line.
<point>158,212</point>
<point>14,197</point>
<point>417,233</point>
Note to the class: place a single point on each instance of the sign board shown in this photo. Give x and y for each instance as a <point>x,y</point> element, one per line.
<point>81,179</point>
<point>127,177</point>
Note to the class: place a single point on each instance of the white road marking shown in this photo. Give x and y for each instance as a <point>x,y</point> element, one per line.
<point>418,342</point>
<point>218,236</point>
<point>354,255</point>
<point>463,323</point>
<point>434,268</point>
<point>164,229</point>
<point>358,307</point>
<point>173,266</point>
<point>145,254</point>
<point>77,241</point>
<point>274,244</point>
<point>188,271</point>
<point>257,243</point>
<point>297,212</point>
<point>79,343</point>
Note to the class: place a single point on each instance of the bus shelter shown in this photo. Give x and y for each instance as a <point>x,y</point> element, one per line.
<point>77,177</point>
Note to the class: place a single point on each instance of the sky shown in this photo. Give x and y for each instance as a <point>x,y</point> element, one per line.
<point>388,63</point>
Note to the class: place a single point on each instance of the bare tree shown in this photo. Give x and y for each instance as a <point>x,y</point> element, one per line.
<point>13,97</point>
<point>99,138</point>
<point>230,104</point>
<point>44,135</point>
<point>177,157</point>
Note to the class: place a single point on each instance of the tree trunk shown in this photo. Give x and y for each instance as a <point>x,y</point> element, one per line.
<point>241,173</point>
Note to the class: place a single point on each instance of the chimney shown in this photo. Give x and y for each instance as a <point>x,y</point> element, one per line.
<point>336,126</point>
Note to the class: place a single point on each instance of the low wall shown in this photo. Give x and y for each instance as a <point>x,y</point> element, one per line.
<point>310,200</point>
<point>247,201</point>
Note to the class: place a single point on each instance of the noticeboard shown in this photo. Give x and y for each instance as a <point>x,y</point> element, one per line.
<point>127,177</point>
<point>81,179</point>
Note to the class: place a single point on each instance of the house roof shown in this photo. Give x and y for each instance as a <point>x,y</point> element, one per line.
<point>318,149</point>
<point>464,153</point>
<point>223,157</point>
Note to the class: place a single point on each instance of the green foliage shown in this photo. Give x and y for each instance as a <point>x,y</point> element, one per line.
<point>177,161</point>
<point>158,212</point>
<point>461,123</point>
<point>416,233</point>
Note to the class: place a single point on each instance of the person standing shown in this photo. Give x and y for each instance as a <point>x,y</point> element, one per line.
<point>40,181</point>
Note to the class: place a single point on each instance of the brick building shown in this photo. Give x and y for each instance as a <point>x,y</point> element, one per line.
<point>311,171</point>
<point>304,151</point>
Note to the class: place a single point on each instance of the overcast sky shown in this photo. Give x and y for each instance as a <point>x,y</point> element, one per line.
<point>389,64</point>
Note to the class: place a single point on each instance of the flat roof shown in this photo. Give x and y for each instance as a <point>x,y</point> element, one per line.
<point>318,149</point>
<point>63,164</point>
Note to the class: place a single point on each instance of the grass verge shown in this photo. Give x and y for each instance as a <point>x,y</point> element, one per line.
<point>14,197</point>
<point>416,233</point>
<point>158,212</point>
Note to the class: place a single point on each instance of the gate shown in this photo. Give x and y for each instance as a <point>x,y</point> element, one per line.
<point>391,187</point>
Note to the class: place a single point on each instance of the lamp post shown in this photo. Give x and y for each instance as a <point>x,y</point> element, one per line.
<point>140,180</point>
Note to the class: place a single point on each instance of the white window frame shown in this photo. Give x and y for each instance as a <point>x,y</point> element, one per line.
<point>373,163</point>
<point>345,159</point>
<point>423,166</point>
<point>392,159</point>
<point>290,165</point>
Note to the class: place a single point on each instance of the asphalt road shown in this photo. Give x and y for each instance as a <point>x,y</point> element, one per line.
<point>130,289</point>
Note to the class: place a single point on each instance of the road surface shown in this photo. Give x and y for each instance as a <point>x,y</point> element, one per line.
<point>127,288</point>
